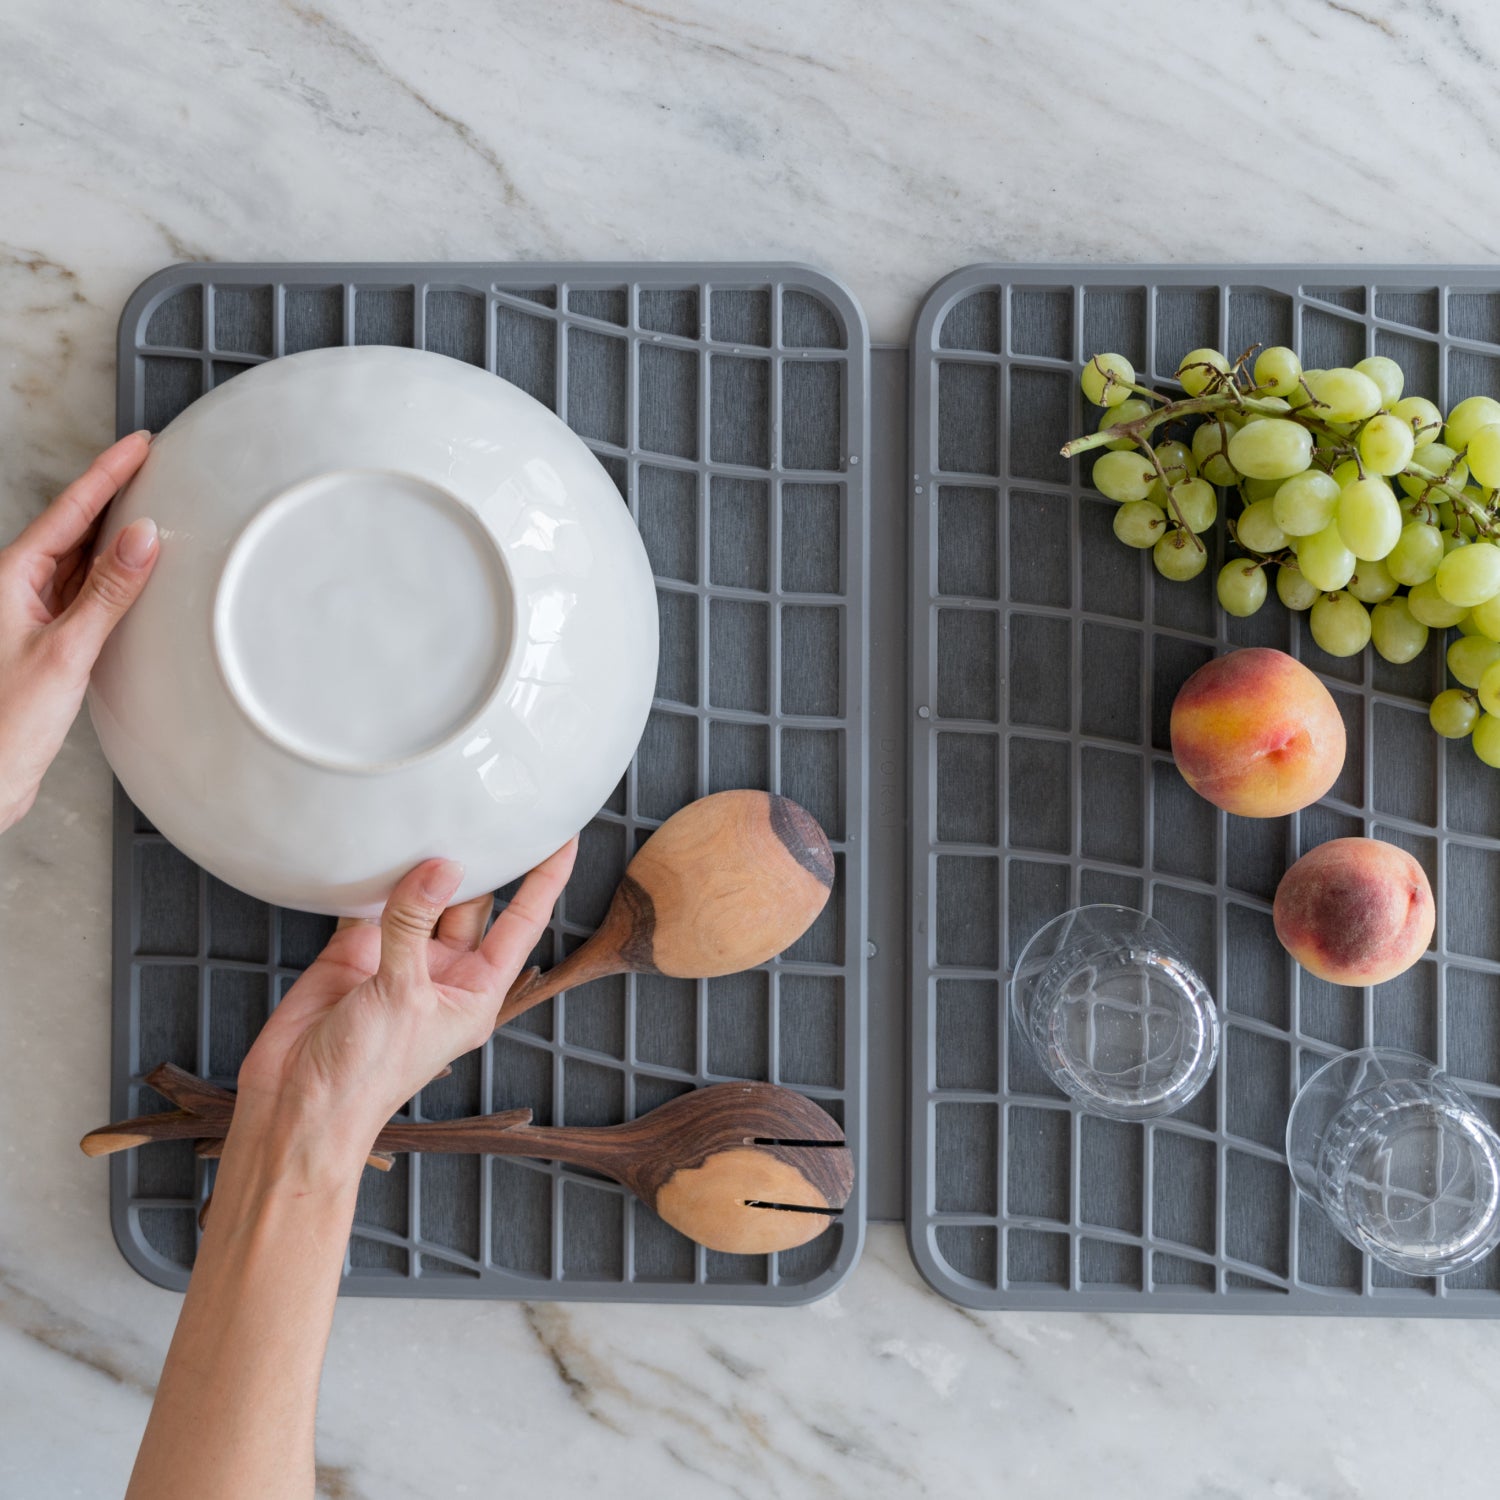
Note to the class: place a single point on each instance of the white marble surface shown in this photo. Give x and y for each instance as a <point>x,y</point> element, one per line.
<point>889,142</point>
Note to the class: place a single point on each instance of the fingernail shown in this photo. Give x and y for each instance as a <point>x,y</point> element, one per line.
<point>137,543</point>
<point>144,432</point>
<point>442,879</point>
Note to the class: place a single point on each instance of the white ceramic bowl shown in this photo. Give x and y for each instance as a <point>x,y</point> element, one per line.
<point>400,611</point>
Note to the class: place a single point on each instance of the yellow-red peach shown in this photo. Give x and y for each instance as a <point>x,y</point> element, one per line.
<point>1355,911</point>
<point>1257,734</point>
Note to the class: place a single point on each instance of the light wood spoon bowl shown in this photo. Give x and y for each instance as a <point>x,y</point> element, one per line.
<point>725,884</point>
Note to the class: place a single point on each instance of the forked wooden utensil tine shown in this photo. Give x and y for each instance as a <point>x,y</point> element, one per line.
<point>746,1168</point>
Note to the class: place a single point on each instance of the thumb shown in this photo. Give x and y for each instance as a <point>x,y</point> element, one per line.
<point>410,915</point>
<point>114,583</point>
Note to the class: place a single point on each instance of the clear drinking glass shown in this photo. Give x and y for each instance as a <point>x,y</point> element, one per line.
<point>1117,1015</point>
<point>1396,1154</point>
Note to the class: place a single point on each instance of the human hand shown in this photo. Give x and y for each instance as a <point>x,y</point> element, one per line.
<point>56,612</point>
<point>384,1008</point>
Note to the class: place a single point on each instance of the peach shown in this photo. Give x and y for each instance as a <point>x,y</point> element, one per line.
<point>1257,734</point>
<point>1355,911</point>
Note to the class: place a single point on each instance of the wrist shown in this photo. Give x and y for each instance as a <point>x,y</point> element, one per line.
<point>275,1150</point>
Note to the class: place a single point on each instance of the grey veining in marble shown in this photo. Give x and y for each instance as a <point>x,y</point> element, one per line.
<point>888,142</point>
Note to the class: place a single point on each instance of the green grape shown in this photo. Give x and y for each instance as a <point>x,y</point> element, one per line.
<point>1252,490</point>
<point>1467,418</point>
<point>1431,608</point>
<point>1178,557</point>
<point>1107,378</point>
<point>1398,635</point>
<point>1486,739</point>
<point>1326,559</point>
<point>1127,411</point>
<point>1369,520</point>
<point>1138,523</point>
<point>1271,448</point>
<point>1293,589</point>
<point>1486,618</point>
<point>1385,444</point>
<point>1209,443</point>
<point>1209,439</point>
<point>1469,575</point>
<point>1417,553</point>
<point>1424,419</point>
<point>1442,462</point>
<point>1345,473</point>
<point>1340,624</point>
<point>1483,454</point>
<point>1372,582</point>
<point>1196,504</point>
<point>1467,626</point>
<point>1123,476</point>
<point>1257,531</point>
<point>1489,689</point>
<point>1277,370</point>
<point>1453,713</point>
<point>1470,656</point>
<point>1306,502</point>
<point>1194,376</point>
<point>1452,540</point>
<point>1388,376</point>
<point>1177,459</point>
<point>1241,587</point>
<point>1343,395</point>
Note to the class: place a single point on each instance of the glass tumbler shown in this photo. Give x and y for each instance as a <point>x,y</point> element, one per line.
<point>1118,1017</point>
<point>1397,1155</point>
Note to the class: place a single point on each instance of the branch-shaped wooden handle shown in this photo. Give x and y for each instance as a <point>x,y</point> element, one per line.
<point>593,960</point>
<point>205,1110</point>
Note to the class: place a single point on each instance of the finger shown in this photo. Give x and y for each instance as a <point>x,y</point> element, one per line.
<point>113,584</point>
<point>66,521</point>
<point>461,927</point>
<point>411,914</point>
<point>516,930</point>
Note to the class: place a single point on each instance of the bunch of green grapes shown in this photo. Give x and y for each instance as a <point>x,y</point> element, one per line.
<point>1379,518</point>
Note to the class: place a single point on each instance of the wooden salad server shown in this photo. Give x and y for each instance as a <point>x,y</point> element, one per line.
<point>723,885</point>
<point>746,1168</point>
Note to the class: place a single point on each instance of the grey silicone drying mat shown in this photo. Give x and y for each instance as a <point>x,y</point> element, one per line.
<point>1045,659</point>
<point>728,402</point>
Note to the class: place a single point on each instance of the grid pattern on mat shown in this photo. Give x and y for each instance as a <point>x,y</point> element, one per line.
<point>1045,659</point>
<point>728,405</point>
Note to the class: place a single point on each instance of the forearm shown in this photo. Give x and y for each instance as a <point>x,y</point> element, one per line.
<point>235,1411</point>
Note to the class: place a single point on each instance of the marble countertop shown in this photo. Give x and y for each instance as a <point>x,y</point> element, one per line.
<point>888,142</point>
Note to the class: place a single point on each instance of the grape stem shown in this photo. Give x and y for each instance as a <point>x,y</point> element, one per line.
<point>1143,390</point>
<point>1141,427</point>
<point>1229,399</point>
<point>1477,513</point>
<point>1166,485</point>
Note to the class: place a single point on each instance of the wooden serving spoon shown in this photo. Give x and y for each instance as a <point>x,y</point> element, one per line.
<point>745,1168</point>
<point>723,885</point>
